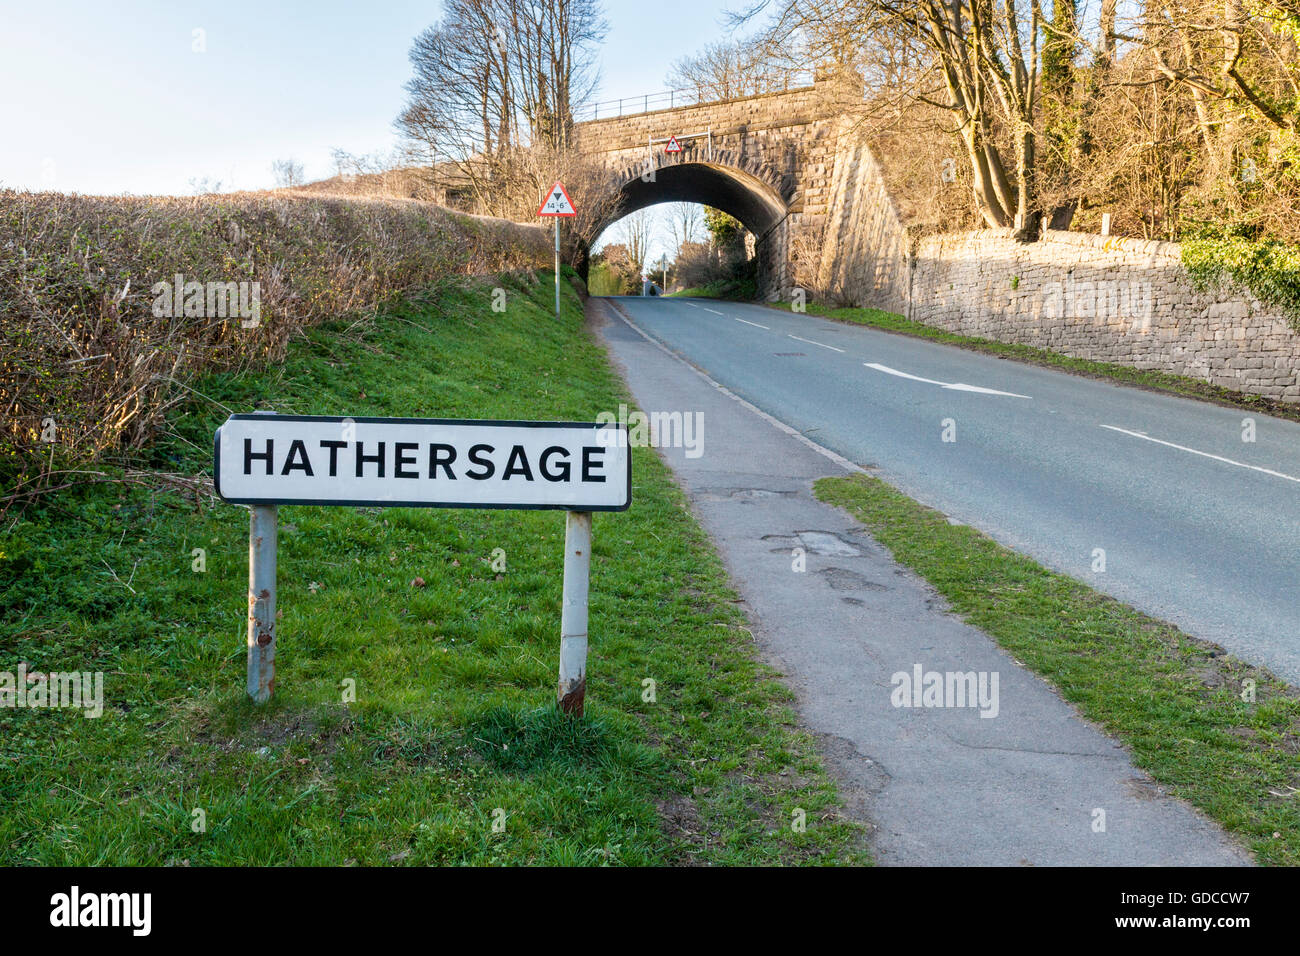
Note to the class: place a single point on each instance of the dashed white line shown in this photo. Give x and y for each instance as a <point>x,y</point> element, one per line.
<point>707,309</point>
<point>818,344</point>
<point>1203,454</point>
<point>747,322</point>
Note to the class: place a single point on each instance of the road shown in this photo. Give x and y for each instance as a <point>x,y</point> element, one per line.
<point>1153,499</point>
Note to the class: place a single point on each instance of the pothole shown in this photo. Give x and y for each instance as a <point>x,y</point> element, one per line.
<point>842,579</point>
<point>825,543</point>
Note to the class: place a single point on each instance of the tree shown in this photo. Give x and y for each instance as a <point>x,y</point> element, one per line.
<point>494,78</point>
<point>287,173</point>
<point>729,69</point>
<point>684,222</point>
<point>637,232</point>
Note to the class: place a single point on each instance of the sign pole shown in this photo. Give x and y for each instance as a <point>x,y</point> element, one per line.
<point>556,205</point>
<point>263,534</point>
<point>572,688</point>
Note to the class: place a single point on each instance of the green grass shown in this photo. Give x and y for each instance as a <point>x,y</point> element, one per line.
<point>1174,701</point>
<point>454,724</point>
<point>1142,378</point>
<point>736,290</point>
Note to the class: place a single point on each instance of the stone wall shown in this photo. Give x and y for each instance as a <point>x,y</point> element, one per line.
<point>863,250</point>
<point>1110,299</point>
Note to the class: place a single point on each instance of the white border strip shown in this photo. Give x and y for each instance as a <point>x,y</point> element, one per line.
<point>774,422</point>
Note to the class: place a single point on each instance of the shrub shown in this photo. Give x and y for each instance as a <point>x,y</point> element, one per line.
<point>83,354</point>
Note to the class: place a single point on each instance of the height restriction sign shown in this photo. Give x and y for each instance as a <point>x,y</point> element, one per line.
<point>557,203</point>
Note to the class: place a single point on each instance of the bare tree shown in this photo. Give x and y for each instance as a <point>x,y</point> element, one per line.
<point>636,230</point>
<point>685,222</point>
<point>287,173</point>
<point>493,78</point>
<point>729,69</point>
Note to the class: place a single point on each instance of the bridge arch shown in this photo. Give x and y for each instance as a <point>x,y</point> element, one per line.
<point>744,187</point>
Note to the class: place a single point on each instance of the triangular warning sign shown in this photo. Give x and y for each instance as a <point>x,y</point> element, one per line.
<point>673,146</point>
<point>557,203</point>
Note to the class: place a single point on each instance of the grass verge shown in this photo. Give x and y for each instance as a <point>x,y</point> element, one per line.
<point>1175,702</point>
<point>453,728</point>
<point>1142,378</point>
<point>735,290</point>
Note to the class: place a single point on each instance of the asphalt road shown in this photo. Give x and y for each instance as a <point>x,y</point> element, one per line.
<point>1153,499</point>
<point>1022,781</point>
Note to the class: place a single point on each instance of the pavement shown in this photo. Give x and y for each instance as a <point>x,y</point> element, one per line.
<point>1191,524</point>
<point>1017,779</point>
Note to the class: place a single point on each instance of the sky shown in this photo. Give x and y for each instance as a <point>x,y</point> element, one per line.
<point>143,97</point>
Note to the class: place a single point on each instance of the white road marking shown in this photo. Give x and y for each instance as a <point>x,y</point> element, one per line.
<point>707,309</point>
<point>1203,454</point>
<point>747,322</point>
<point>954,386</point>
<point>775,422</point>
<point>811,342</point>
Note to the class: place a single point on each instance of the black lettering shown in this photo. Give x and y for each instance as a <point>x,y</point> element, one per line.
<point>562,473</point>
<point>297,451</point>
<point>476,454</point>
<point>249,455</point>
<point>523,468</point>
<point>399,459</point>
<point>588,464</point>
<point>334,447</point>
<point>441,456</point>
<point>362,458</point>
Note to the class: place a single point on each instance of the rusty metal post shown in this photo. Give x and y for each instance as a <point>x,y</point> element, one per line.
<point>262,535</point>
<point>573,612</point>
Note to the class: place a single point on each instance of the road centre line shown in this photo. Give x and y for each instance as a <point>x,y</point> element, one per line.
<point>818,344</point>
<point>1203,454</point>
<point>747,322</point>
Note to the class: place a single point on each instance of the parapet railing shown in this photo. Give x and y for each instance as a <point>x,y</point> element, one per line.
<point>687,96</point>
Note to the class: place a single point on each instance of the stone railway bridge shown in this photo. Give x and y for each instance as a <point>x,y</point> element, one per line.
<point>795,169</point>
<point>787,164</point>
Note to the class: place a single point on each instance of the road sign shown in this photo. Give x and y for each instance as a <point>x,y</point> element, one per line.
<point>557,203</point>
<point>267,460</point>
<point>421,462</point>
<point>673,146</point>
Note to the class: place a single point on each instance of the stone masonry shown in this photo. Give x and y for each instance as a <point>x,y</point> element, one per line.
<point>1126,301</point>
<point>779,146</point>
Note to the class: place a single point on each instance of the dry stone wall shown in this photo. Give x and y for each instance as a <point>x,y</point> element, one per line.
<point>1110,299</point>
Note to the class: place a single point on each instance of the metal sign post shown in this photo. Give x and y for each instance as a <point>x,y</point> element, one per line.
<point>262,542</point>
<point>265,460</point>
<point>573,613</point>
<point>557,205</point>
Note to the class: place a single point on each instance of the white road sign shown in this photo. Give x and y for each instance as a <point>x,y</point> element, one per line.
<point>557,203</point>
<point>422,462</point>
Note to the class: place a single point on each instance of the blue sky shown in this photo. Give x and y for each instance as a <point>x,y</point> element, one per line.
<point>112,97</point>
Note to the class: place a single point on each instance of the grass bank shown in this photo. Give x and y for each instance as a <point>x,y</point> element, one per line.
<point>735,290</point>
<point>1142,378</point>
<point>689,752</point>
<point>1175,702</point>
